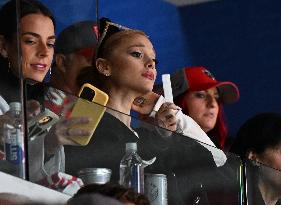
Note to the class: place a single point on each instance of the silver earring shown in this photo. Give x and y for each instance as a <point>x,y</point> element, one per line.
<point>9,66</point>
<point>106,74</point>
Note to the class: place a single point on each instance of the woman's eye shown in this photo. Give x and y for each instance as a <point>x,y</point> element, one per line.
<point>51,45</point>
<point>136,54</point>
<point>30,42</point>
<point>200,95</point>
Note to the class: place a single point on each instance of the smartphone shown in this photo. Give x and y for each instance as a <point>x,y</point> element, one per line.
<point>91,103</point>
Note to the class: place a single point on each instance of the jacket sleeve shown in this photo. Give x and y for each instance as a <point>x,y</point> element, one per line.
<point>4,107</point>
<point>188,127</point>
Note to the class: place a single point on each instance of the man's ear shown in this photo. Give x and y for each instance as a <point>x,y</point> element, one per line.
<point>60,62</point>
<point>3,47</point>
<point>103,66</point>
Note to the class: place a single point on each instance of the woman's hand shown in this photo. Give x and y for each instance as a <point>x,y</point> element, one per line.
<point>62,131</point>
<point>145,104</point>
<point>166,116</point>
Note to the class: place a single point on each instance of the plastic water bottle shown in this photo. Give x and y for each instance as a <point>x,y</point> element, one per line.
<point>132,169</point>
<point>14,140</point>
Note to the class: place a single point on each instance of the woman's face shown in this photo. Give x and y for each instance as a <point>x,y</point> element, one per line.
<point>132,64</point>
<point>272,158</point>
<point>37,44</point>
<point>203,107</point>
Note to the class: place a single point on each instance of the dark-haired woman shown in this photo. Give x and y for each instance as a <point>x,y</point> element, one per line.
<point>126,69</point>
<point>36,40</point>
<point>126,196</point>
<point>258,142</point>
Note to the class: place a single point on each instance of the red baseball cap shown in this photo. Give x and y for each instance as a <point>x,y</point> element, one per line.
<point>199,78</point>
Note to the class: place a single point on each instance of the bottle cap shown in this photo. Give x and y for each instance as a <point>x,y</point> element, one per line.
<point>16,106</point>
<point>132,146</point>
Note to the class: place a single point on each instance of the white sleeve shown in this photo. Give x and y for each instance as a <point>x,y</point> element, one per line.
<point>188,127</point>
<point>4,107</point>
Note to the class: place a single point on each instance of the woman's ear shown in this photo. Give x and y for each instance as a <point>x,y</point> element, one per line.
<point>3,49</point>
<point>252,155</point>
<point>103,66</point>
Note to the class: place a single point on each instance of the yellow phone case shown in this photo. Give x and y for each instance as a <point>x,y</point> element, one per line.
<point>93,108</point>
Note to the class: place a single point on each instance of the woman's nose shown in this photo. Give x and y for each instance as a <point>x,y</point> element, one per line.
<point>150,63</point>
<point>211,101</point>
<point>43,50</point>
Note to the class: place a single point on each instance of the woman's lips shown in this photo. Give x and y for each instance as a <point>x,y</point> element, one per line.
<point>148,75</point>
<point>210,115</point>
<point>39,67</point>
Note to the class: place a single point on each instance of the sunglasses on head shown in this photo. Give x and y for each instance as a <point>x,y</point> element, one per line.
<point>107,29</point>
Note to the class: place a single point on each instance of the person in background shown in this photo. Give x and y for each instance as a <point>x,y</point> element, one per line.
<point>14,199</point>
<point>202,97</point>
<point>258,142</point>
<point>7,198</point>
<point>92,199</point>
<point>126,196</point>
<point>75,49</point>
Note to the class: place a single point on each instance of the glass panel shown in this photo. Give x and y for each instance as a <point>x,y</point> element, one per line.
<point>189,166</point>
<point>263,184</point>
<point>196,173</point>
<point>12,154</point>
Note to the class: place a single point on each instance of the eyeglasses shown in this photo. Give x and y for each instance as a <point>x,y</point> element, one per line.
<point>108,28</point>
